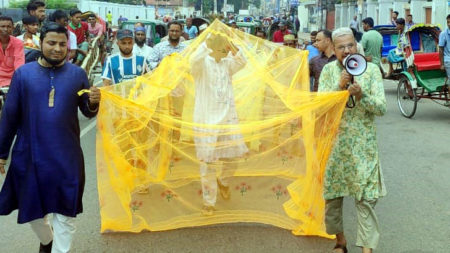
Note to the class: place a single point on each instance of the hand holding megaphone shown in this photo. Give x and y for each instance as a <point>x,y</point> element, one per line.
<point>355,65</point>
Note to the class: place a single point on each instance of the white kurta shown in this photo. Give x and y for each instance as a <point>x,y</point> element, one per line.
<point>215,105</point>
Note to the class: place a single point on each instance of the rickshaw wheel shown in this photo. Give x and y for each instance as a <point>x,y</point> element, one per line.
<point>406,97</point>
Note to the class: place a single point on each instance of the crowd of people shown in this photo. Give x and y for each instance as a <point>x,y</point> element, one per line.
<point>46,173</point>
<point>27,31</point>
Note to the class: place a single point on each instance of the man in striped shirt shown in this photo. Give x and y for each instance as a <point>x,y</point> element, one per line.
<point>124,65</point>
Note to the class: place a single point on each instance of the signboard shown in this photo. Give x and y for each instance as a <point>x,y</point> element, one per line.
<point>228,8</point>
<point>294,2</point>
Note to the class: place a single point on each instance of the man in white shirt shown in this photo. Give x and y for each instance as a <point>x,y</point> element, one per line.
<point>61,18</point>
<point>140,48</point>
<point>168,47</point>
<point>354,23</point>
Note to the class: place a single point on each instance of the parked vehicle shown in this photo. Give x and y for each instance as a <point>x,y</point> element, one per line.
<point>422,77</point>
<point>155,29</point>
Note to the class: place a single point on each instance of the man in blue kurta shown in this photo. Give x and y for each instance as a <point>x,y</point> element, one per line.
<point>46,172</point>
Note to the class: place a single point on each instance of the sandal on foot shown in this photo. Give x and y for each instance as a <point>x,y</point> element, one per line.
<point>342,247</point>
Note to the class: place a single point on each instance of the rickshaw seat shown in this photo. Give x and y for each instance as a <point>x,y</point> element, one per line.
<point>427,61</point>
<point>385,50</point>
<point>431,80</point>
<point>389,43</point>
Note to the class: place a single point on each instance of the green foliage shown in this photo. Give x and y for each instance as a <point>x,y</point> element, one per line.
<point>50,4</point>
<point>132,2</point>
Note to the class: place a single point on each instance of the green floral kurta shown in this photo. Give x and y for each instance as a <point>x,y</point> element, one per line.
<point>353,167</point>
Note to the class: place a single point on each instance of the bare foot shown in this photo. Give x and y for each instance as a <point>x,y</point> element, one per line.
<point>366,250</point>
<point>208,210</point>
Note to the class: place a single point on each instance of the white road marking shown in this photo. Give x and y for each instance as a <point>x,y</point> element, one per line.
<point>88,128</point>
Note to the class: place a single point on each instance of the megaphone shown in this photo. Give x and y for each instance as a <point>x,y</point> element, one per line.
<point>355,64</point>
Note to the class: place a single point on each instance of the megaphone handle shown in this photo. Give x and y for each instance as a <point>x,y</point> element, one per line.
<point>351,100</point>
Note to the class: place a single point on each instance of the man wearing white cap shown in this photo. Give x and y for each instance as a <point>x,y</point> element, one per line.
<point>202,28</point>
<point>140,48</point>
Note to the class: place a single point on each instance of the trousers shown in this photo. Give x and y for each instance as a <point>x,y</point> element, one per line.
<point>211,174</point>
<point>61,234</point>
<point>83,46</point>
<point>368,233</point>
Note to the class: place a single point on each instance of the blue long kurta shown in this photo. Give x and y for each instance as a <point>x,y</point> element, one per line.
<point>46,174</point>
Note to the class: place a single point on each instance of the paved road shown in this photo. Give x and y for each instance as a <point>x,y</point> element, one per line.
<point>414,217</point>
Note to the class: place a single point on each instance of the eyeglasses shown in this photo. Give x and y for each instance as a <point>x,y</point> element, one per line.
<point>343,47</point>
<point>174,31</point>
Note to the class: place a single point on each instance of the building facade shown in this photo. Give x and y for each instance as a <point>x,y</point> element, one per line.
<point>330,14</point>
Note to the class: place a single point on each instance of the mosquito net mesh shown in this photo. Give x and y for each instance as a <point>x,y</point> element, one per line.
<point>228,124</point>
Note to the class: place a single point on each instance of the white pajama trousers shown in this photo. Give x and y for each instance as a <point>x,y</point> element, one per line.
<point>209,178</point>
<point>61,234</point>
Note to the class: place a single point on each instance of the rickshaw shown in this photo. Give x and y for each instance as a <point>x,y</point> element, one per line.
<point>390,39</point>
<point>248,27</point>
<point>245,18</point>
<point>423,77</point>
<point>155,29</point>
<point>195,21</point>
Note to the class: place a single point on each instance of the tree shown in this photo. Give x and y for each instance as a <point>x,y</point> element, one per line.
<point>50,4</point>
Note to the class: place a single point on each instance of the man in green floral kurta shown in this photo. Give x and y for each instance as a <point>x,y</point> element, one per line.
<point>353,168</point>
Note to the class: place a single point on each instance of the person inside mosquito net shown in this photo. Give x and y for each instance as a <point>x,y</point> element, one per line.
<point>218,140</point>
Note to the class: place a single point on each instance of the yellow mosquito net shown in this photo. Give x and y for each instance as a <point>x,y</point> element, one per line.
<point>229,108</point>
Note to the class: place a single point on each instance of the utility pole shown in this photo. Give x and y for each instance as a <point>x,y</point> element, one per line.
<point>225,8</point>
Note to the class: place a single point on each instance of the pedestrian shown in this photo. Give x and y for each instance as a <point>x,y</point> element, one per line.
<point>297,24</point>
<point>11,51</point>
<point>325,46</point>
<point>278,36</point>
<point>444,49</point>
<point>202,28</point>
<point>109,17</point>
<point>289,40</point>
<point>358,45</point>
<point>396,55</point>
<point>34,8</point>
<point>313,51</point>
<point>124,65</point>
<point>190,29</point>
<point>168,47</point>
<point>30,39</point>
<point>81,30</point>
<point>95,29</point>
<point>394,18</point>
<point>409,21</point>
<point>215,105</point>
<point>140,47</point>
<point>354,23</point>
<point>261,34</point>
<point>372,42</point>
<point>46,172</point>
<point>60,17</point>
<point>353,168</point>
<point>120,20</point>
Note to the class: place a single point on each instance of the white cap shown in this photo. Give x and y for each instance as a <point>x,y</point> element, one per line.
<point>203,27</point>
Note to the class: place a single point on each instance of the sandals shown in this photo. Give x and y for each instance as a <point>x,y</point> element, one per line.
<point>342,247</point>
